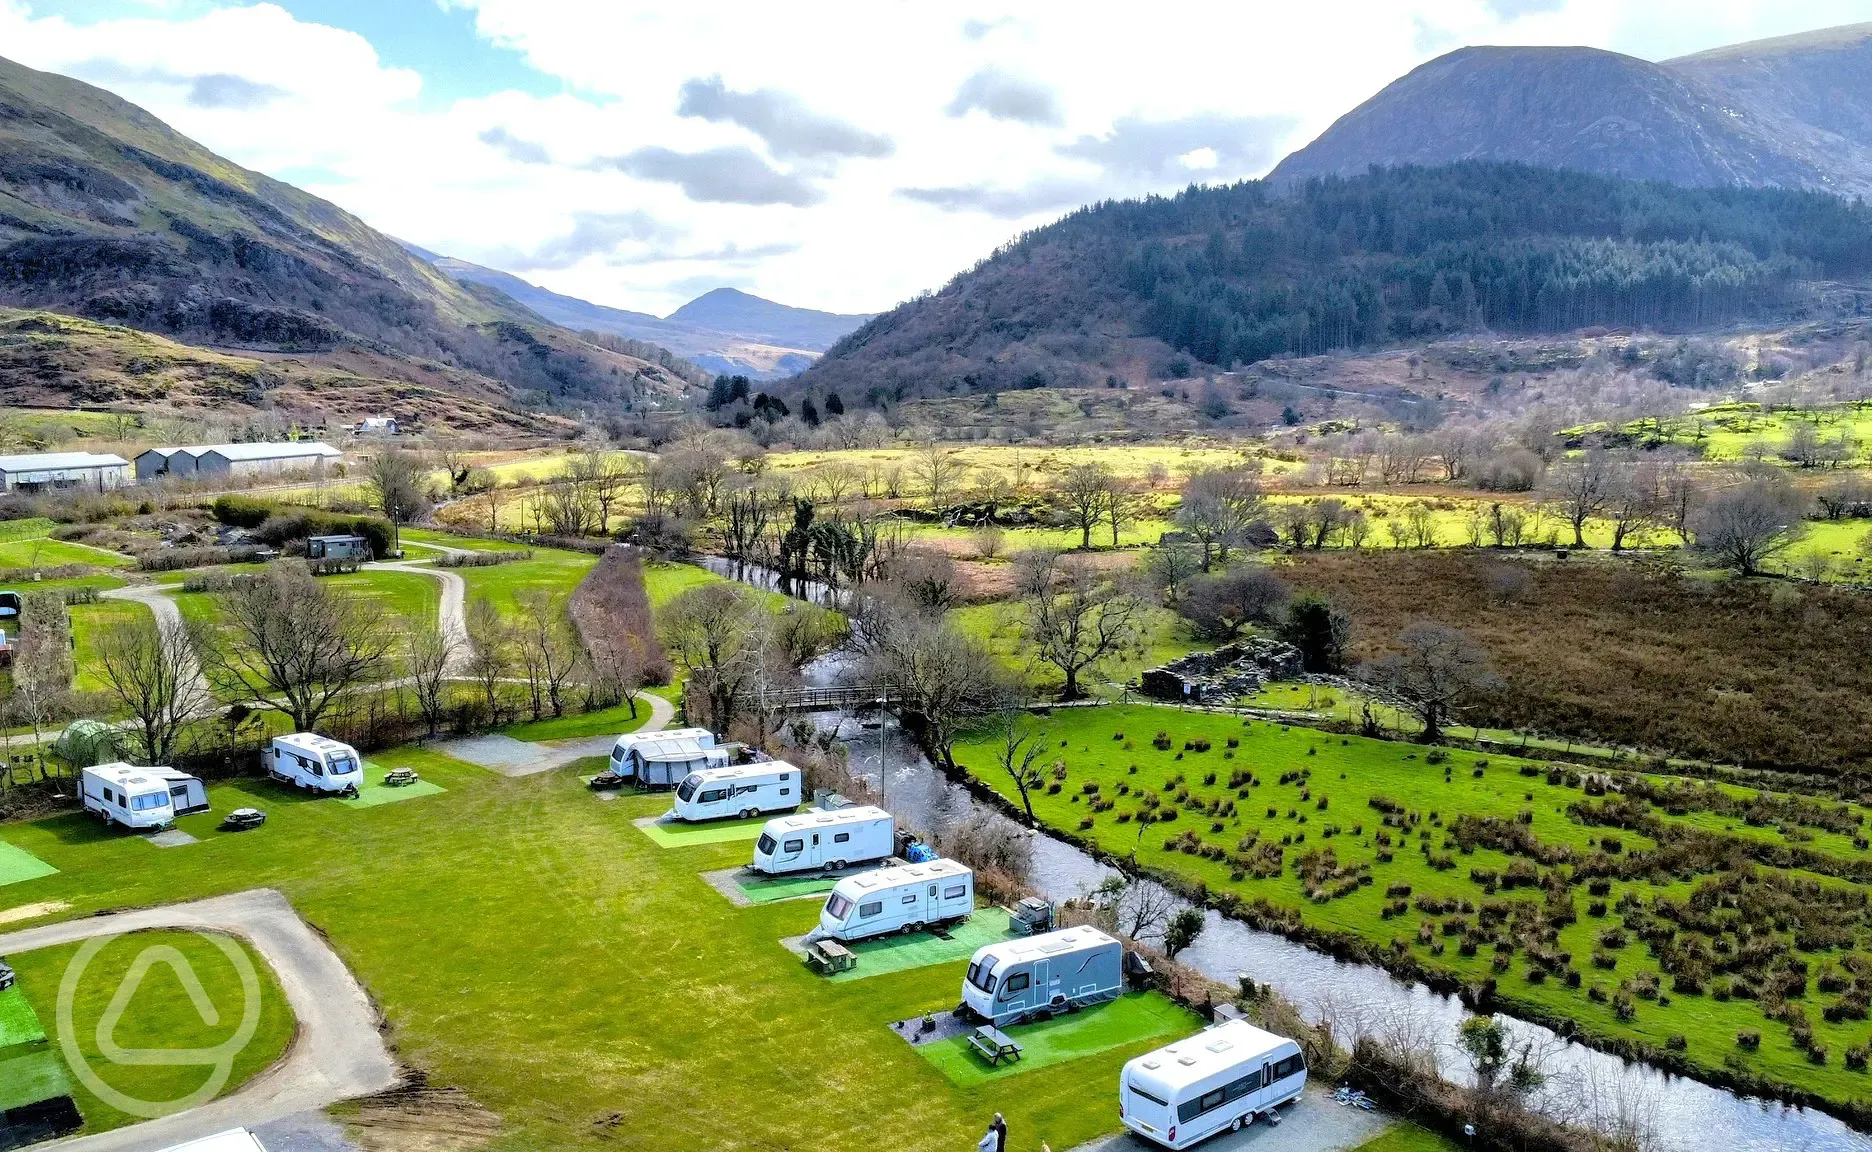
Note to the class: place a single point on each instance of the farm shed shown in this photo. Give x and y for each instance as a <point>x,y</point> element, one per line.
<point>43,471</point>
<point>234,459</point>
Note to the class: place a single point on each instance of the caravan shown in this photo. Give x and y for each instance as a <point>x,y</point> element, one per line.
<point>1222,1077</point>
<point>317,763</point>
<point>746,790</point>
<point>907,898</point>
<point>136,797</point>
<point>830,840</point>
<point>664,759</point>
<point>1018,980</point>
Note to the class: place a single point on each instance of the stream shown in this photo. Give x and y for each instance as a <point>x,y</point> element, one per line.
<point>1584,1086</point>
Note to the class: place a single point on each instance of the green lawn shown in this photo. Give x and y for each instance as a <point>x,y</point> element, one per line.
<point>89,624</point>
<point>550,570</point>
<point>1162,636</point>
<point>664,581</point>
<point>397,598</point>
<point>1126,1020</point>
<point>1407,1137</point>
<point>530,948</point>
<point>43,552</point>
<point>1322,821</point>
<point>449,539</point>
<point>603,722</point>
<point>159,1015</point>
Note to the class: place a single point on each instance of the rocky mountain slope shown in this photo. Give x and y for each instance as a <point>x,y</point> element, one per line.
<point>723,331</point>
<point>1793,112</point>
<point>108,214</point>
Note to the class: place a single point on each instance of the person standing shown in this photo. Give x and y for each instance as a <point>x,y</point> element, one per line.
<point>995,1139</point>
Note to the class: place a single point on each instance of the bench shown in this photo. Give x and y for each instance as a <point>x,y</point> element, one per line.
<point>994,1045</point>
<point>829,956</point>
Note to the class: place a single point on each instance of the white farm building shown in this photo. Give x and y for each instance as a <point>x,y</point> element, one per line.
<point>234,459</point>
<point>45,471</point>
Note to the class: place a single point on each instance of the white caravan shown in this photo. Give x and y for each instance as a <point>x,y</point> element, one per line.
<point>136,797</point>
<point>745,790</point>
<point>1220,1078</point>
<point>314,762</point>
<point>907,898</point>
<point>830,840</point>
<point>1054,972</point>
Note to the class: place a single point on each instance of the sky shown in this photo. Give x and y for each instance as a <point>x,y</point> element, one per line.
<point>839,155</point>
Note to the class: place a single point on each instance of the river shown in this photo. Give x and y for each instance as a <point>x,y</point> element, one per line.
<point>1583,1086</point>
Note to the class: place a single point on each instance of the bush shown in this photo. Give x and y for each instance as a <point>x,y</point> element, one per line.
<point>174,559</point>
<point>483,559</point>
<point>242,511</point>
<point>1748,1039</point>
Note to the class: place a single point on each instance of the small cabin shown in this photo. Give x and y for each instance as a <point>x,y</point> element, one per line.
<point>338,548</point>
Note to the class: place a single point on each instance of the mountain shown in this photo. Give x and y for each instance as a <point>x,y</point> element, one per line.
<point>1794,112</point>
<point>723,331</point>
<point>1135,291</point>
<point>109,215</point>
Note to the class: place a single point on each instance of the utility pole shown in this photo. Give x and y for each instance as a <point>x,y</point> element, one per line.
<point>883,769</point>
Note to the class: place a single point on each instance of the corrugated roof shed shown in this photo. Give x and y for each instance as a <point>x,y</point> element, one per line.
<point>55,461</point>
<point>287,451</point>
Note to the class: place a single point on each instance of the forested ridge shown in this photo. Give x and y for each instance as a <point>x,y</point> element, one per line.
<point>1232,275</point>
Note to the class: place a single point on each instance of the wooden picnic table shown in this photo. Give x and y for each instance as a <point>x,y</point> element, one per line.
<point>994,1044</point>
<point>829,956</point>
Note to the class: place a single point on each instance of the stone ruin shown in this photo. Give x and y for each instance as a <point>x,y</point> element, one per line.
<point>1231,671</point>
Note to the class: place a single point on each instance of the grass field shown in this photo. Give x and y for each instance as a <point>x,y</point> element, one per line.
<point>89,624</point>
<point>43,552</point>
<point>551,570</point>
<point>530,948</point>
<point>159,1015</point>
<point>451,540</point>
<point>1372,841</point>
<point>1162,636</point>
<point>1135,1016</point>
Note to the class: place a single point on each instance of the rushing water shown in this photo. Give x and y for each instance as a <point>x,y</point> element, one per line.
<point>1584,1085</point>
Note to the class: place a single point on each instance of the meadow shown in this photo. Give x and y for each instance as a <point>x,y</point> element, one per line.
<point>1724,930</point>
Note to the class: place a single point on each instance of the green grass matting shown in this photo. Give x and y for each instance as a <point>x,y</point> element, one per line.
<point>375,791</point>
<point>676,834</point>
<point>899,953</point>
<point>17,864</point>
<point>767,889</point>
<point>19,1024</point>
<point>32,1077</point>
<point>1135,1016</point>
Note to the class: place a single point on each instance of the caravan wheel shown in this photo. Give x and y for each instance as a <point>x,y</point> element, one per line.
<point>1241,1122</point>
<point>836,866</point>
<point>913,929</point>
<point>749,813</point>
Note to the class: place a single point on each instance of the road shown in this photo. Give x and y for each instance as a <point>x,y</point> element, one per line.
<point>1314,1124</point>
<point>452,611</point>
<point>338,1054</point>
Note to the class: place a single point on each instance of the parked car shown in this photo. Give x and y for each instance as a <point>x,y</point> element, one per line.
<point>242,819</point>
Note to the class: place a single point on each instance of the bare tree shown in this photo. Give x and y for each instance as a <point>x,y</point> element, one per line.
<point>1021,748</point>
<point>938,472</point>
<point>946,677</point>
<point>154,669</point>
<point>1123,502</point>
<point>296,645</point>
<point>395,482</point>
<point>427,653</point>
<point>1633,503</point>
<point>1075,617</point>
<point>1170,567</point>
<point>1436,669</point>
<point>717,633</point>
<point>1218,506</point>
<point>1224,603</point>
<point>1578,490</point>
<point>1083,489</point>
<point>42,666</point>
<point>548,649</point>
<point>1745,526</point>
<point>1139,909</point>
<point>490,660</point>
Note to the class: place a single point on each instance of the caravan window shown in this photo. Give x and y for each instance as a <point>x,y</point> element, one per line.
<point>341,765</point>
<point>874,908</point>
<point>980,975</point>
<point>795,845</point>
<point>842,838</point>
<point>837,906</point>
<point>1291,1066</point>
<point>689,785</point>
<point>1236,1089</point>
<point>1207,1102</point>
<point>1017,982</point>
<point>910,899</point>
<point>764,845</point>
<point>954,890</point>
<point>151,800</point>
<point>1139,1091</point>
<point>714,794</point>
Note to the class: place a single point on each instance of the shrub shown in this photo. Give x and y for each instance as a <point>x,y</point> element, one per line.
<point>1748,1039</point>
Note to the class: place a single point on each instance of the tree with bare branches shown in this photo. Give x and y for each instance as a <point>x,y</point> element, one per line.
<point>1083,489</point>
<point>297,645</point>
<point>1022,745</point>
<point>396,483</point>
<point>1436,669</point>
<point>427,653</point>
<point>154,669</point>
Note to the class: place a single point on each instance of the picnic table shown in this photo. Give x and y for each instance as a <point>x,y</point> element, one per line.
<point>829,956</point>
<point>994,1044</point>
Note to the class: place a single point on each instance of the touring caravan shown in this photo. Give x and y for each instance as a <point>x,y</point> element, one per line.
<point>1054,972</point>
<point>829,840</point>
<point>665,759</point>
<point>745,790</point>
<point>137,797</point>
<point>1221,1078</point>
<point>313,762</point>
<point>907,898</point>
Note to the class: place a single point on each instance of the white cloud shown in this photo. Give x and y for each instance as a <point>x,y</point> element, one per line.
<point>818,163</point>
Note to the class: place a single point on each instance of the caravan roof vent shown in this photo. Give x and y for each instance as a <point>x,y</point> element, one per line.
<point>1153,1064</point>
<point>1220,1046</point>
<point>1056,945</point>
<point>1186,1060</point>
